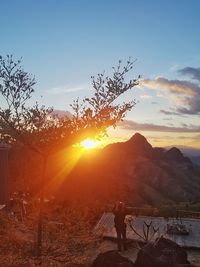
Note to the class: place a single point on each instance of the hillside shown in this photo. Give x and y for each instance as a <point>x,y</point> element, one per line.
<point>191,152</point>
<point>135,172</point>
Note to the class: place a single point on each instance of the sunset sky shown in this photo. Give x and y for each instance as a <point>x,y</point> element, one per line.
<point>64,42</point>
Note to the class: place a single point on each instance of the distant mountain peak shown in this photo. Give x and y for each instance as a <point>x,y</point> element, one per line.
<point>139,144</point>
<point>175,154</point>
<point>137,137</point>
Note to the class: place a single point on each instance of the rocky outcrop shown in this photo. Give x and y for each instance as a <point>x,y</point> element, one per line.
<point>163,253</point>
<point>111,259</point>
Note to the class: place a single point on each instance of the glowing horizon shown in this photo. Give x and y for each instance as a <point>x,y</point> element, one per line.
<point>156,139</point>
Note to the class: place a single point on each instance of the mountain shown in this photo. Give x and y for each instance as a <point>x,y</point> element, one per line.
<point>135,172</point>
<point>191,152</point>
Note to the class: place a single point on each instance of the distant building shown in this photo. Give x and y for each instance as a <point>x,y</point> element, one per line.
<point>4,190</point>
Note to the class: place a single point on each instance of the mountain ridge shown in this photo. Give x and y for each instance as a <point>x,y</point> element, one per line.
<point>137,173</point>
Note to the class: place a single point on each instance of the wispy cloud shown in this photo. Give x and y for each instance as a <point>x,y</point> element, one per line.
<point>135,126</point>
<point>65,90</point>
<point>196,137</point>
<point>167,119</point>
<point>173,86</point>
<point>145,96</point>
<point>194,73</point>
<point>165,112</point>
<point>185,95</point>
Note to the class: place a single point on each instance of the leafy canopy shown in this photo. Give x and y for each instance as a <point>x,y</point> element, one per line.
<point>39,128</point>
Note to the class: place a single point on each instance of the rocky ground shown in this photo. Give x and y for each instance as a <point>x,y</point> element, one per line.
<point>69,244</point>
<point>131,253</point>
<point>19,254</point>
<point>107,245</point>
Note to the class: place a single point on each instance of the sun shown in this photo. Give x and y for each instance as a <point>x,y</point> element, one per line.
<point>89,143</point>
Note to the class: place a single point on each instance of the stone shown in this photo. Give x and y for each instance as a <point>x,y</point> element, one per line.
<point>111,259</point>
<point>162,253</point>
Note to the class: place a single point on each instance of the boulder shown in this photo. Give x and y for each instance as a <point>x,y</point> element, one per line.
<point>111,259</point>
<point>163,253</point>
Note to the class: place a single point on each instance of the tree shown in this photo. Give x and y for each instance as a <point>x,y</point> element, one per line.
<point>40,130</point>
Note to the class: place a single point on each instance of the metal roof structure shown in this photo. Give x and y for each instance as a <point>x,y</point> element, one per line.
<point>105,227</point>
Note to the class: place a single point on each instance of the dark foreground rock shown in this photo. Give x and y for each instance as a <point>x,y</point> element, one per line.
<point>111,259</point>
<point>164,253</point>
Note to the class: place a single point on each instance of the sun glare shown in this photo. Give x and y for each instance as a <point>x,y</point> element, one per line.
<point>89,144</point>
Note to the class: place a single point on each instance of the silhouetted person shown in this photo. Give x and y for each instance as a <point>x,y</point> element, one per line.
<point>120,212</point>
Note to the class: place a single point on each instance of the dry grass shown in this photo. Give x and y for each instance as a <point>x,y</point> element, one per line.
<point>67,237</point>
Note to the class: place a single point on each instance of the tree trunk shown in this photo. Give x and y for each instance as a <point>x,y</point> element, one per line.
<point>41,207</point>
<point>4,174</point>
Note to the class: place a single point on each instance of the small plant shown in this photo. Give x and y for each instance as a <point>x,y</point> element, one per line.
<point>148,230</point>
